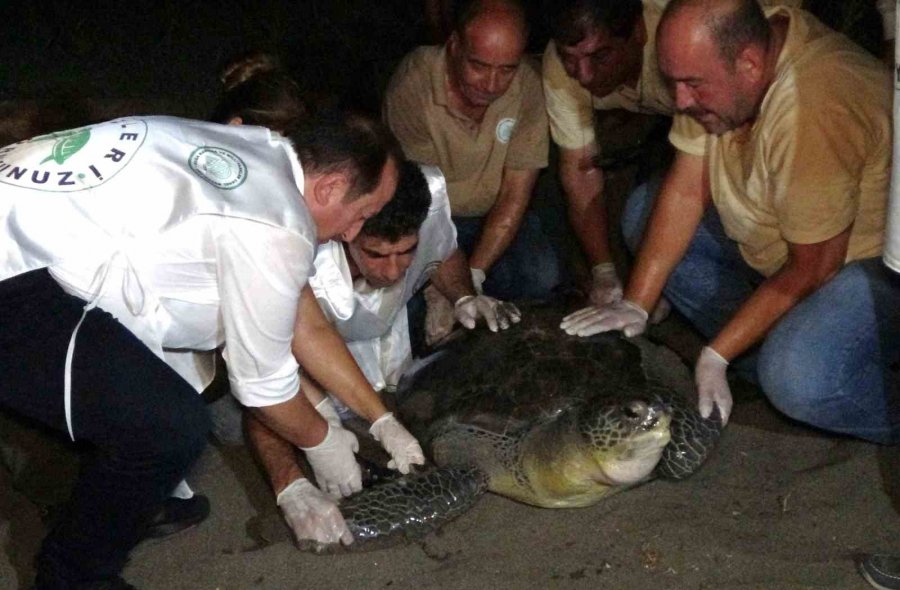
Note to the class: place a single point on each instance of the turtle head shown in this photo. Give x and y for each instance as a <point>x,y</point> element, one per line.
<point>626,438</point>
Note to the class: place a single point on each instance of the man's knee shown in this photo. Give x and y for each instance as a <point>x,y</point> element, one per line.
<point>783,380</point>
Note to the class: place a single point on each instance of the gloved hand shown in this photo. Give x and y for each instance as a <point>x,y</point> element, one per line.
<point>496,313</point>
<point>403,447</point>
<point>606,287</point>
<point>622,315</point>
<point>661,311</point>
<point>438,316</point>
<point>334,462</point>
<point>478,279</point>
<point>326,409</point>
<point>712,384</point>
<point>312,515</point>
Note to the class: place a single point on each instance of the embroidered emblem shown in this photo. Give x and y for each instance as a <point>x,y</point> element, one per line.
<point>504,129</point>
<point>219,167</point>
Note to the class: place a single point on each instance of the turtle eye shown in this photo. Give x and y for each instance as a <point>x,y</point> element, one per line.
<point>636,410</point>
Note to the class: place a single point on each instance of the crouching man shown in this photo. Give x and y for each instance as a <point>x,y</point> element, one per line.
<point>362,287</point>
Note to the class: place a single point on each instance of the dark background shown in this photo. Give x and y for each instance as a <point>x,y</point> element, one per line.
<point>169,54</point>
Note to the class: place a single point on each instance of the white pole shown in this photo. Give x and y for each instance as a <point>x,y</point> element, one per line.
<point>892,237</point>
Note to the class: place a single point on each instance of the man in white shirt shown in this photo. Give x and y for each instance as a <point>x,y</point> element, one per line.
<point>185,235</point>
<point>363,287</point>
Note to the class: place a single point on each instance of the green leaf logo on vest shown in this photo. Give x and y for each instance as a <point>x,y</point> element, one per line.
<point>67,144</point>
<point>219,167</point>
<point>78,159</point>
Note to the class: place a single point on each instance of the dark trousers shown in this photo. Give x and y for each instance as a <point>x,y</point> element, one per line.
<point>145,424</point>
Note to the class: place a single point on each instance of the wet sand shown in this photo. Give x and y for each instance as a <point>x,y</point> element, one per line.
<point>778,506</point>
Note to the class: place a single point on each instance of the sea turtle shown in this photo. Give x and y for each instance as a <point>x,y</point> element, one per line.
<point>540,417</point>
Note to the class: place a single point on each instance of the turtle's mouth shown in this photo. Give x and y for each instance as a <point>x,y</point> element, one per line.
<point>634,459</point>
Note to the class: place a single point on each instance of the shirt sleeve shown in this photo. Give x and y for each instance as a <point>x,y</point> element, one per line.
<point>404,111</point>
<point>437,236</point>
<point>816,195</point>
<point>530,141</point>
<point>569,106</point>
<point>260,271</point>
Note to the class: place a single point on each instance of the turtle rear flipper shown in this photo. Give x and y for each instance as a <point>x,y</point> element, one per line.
<point>410,507</point>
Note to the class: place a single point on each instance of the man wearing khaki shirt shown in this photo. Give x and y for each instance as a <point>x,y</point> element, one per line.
<point>474,108</point>
<point>768,229</point>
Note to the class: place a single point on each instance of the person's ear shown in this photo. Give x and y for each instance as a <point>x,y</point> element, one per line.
<point>331,188</point>
<point>750,62</point>
<point>236,121</point>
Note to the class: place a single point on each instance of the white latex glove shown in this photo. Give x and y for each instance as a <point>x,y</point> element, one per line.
<point>661,311</point>
<point>496,313</point>
<point>334,462</point>
<point>326,409</point>
<point>606,287</point>
<point>403,447</point>
<point>312,515</point>
<point>438,316</point>
<point>478,279</point>
<point>622,315</point>
<point>712,384</point>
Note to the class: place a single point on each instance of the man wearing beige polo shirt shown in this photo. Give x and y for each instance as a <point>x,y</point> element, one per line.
<point>768,228</point>
<point>603,57</point>
<point>474,108</point>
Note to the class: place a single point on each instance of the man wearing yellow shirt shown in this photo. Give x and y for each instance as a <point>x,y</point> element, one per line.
<point>474,108</point>
<point>767,230</point>
<point>602,57</point>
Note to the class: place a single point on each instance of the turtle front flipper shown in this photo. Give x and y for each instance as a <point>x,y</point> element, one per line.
<point>409,507</point>
<point>693,439</point>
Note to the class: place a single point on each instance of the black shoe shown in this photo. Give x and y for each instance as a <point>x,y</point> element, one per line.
<point>176,515</point>
<point>881,571</point>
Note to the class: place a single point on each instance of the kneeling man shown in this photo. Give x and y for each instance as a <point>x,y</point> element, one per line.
<point>363,287</point>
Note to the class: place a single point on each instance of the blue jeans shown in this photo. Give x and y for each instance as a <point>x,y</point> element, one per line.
<point>145,424</point>
<point>529,269</point>
<point>826,362</point>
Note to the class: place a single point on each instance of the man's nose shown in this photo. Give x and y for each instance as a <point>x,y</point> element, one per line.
<point>394,269</point>
<point>352,231</point>
<point>493,82</point>
<point>684,98</point>
<point>584,71</point>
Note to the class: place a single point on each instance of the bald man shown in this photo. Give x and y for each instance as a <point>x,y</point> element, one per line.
<point>767,231</point>
<point>474,108</point>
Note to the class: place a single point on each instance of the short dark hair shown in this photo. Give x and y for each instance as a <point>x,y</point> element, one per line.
<point>403,215</point>
<point>735,30</point>
<point>258,91</point>
<point>573,20</point>
<point>338,141</point>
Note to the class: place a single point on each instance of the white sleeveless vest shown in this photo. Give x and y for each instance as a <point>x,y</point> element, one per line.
<point>101,192</point>
<point>101,188</point>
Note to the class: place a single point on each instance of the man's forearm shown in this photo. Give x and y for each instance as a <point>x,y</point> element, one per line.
<point>322,353</point>
<point>808,267</point>
<point>295,420</point>
<point>498,231</point>
<point>582,184</point>
<point>682,200</point>
<point>452,278</point>
<point>277,456</point>
<point>504,219</point>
